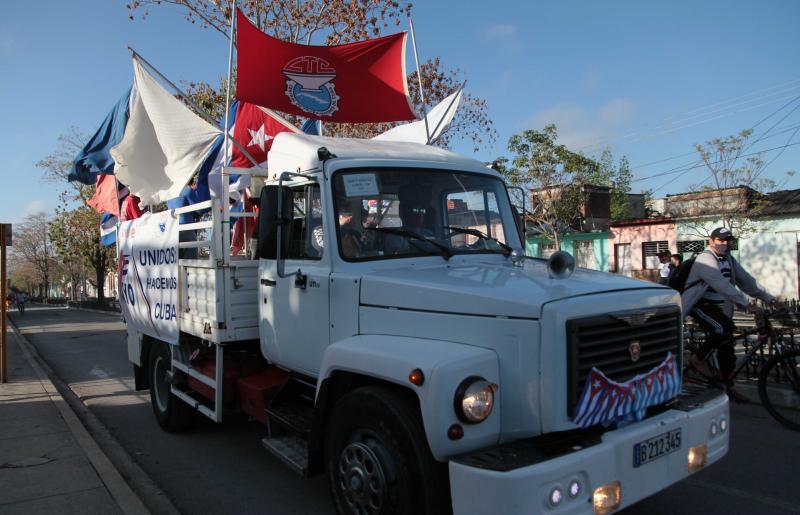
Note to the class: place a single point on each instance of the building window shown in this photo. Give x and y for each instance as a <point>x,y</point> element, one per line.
<point>547,250</point>
<point>584,253</point>
<point>650,252</point>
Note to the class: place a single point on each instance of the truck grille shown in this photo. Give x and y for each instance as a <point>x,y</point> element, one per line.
<point>604,342</point>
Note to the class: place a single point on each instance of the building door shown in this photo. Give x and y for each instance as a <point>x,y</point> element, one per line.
<point>622,258</point>
<point>584,254</point>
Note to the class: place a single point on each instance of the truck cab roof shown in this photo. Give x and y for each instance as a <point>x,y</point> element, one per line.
<point>294,152</point>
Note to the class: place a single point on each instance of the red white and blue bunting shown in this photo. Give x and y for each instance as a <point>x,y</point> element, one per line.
<point>604,400</point>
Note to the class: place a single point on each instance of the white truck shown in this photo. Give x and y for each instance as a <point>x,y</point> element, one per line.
<point>388,331</point>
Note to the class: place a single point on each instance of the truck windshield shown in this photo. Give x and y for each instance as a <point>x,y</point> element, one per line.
<point>385,213</point>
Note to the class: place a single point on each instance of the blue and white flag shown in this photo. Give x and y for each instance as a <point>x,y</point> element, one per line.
<point>311,127</point>
<point>95,158</point>
<point>108,230</point>
<point>605,401</point>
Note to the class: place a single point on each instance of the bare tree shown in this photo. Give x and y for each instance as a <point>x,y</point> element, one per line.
<point>732,190</point>
<point>333,22</point>
<point>33,248</point>
<point>57,165</point>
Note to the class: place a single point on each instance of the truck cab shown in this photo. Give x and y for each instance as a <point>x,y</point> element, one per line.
<point>408,349</point>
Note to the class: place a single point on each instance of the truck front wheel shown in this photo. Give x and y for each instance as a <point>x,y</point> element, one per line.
<point>377,458</point>
<point>172,414</point>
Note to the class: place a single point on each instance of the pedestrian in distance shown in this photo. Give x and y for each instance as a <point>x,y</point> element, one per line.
<point>709,298</point>
<point>666,267</point>
<point>676,260</point>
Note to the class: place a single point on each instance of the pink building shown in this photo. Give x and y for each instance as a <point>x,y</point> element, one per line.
<point>637,243</point>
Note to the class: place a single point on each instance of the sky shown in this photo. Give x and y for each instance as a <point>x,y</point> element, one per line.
<point>645,80</point>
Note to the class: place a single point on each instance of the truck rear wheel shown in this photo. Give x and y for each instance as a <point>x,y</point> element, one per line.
<point>377,458</point>
<point>172,414</point>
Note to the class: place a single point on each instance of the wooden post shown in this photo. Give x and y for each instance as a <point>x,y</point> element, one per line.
<point>3,336</point>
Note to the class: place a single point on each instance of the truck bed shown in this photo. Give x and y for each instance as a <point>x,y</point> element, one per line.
<point>218,304</point>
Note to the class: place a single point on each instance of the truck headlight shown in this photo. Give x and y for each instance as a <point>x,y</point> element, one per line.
<point>474,399</point>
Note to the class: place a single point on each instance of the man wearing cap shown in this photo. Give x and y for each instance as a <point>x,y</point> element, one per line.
<point>710,296</point>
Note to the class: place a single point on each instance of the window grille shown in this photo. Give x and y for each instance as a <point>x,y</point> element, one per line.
<point>653,248</point>
<point>650,252</point>
<point>691,246</point>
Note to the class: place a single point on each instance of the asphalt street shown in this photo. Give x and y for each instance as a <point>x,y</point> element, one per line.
<point>220,469</point>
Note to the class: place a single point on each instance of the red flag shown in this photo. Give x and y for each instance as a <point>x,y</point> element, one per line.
<point>105,198</point>
<point>131,208</point>
<point>255,129</point>
<point>359,82</point>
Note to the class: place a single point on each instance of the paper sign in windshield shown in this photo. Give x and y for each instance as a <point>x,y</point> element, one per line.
<point>360,185</point>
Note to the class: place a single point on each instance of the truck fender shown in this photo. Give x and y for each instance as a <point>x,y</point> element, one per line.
<point>445,365</point>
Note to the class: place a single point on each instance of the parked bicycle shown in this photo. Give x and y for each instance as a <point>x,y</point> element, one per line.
<point>778,376</point>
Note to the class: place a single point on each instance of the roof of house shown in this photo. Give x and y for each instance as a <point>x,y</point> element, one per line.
<point>644,221</point>
<point>782,202</point>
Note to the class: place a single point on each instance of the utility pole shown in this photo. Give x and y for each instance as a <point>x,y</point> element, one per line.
<point>5,240</point>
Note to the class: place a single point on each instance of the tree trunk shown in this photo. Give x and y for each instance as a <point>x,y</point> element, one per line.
<point>100,275</point>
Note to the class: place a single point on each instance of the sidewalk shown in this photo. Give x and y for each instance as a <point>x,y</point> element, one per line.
<point>48,461</point>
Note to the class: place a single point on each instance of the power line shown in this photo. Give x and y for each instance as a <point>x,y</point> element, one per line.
<point>783,149</point>
<point>684,117</point>
<point>680,169</point>
<point>776,123</point>
<point>639,167</point>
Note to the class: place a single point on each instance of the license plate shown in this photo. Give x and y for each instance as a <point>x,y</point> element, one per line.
<point>656,447</point>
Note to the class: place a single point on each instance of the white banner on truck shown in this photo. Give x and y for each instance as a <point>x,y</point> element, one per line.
<point>148,274</point>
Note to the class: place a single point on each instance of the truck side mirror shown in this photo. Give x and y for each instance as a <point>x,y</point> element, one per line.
<point>270,219</point>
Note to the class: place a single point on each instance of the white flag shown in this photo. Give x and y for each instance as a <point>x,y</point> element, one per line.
<point>438,118</point>
<point>164,143</point>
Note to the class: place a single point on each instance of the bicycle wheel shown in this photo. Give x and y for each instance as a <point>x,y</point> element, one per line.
<point>779,388</point>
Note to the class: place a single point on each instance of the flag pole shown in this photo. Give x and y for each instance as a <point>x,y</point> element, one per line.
<point>200,112</point>
<point>226,217</point>
<point>439,123</point>
<point>419,79</point>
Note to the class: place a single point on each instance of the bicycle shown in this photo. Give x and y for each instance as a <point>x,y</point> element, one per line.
<point>779,375</point>
<point>20,307</point>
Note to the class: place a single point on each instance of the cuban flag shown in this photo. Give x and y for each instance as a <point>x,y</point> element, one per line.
<point>604,401</point>
<point>108,230</point>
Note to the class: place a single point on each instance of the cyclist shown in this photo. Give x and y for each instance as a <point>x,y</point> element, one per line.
<point>709,298</point>
<point>21,299</point>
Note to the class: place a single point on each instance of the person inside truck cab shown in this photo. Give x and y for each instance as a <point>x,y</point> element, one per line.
<point>414,211</point>
<point>349,229</point>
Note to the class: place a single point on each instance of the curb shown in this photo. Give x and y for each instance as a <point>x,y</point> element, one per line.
<point>80,420</point>
<point>128,502</point>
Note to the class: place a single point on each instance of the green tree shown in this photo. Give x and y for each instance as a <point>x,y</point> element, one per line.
<point>74,231</point>
<point>617,178</point>
<point>333,22</point>
<point>554,174</point>
<point>74,234</point>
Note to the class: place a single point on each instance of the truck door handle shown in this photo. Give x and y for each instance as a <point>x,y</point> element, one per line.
<point>300,280</point>
<point>268,282</point>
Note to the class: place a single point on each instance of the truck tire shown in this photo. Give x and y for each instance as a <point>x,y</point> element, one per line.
<point>377,458</point>
<point>172,414</point>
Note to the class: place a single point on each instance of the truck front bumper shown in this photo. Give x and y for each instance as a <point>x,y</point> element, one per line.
<point>480,483</point>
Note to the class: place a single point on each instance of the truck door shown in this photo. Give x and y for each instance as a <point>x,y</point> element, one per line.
<point>294,309</point>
